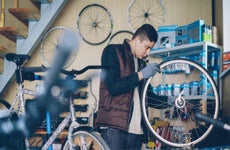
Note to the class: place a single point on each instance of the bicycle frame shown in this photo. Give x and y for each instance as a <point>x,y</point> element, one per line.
<point>20,98</point>
<point>69,119</point>
<point>73,125</point>
<point>21,104</point>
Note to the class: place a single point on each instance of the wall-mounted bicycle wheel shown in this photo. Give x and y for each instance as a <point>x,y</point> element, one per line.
<point>146,11</point>
<point>49,44</point>
<point>95,24</point>
<point>118,37</point>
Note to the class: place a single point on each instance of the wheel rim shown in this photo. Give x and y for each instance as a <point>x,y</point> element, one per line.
<point>95,24</point>
<point>118,37</point>
<point>146,11</point>
<point>189,127</point>
<point>50,43</point>
<point>91,140</point>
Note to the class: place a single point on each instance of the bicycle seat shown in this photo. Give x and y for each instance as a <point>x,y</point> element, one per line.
<point>17,58</point>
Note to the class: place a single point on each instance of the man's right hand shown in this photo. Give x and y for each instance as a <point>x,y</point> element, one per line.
<point>150,70</point>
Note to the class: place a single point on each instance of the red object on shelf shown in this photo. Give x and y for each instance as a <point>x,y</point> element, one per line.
<point>226,60</point>
<point>225,66</point>
<point>226,56</point>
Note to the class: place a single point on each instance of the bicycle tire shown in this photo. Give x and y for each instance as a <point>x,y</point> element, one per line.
<point>94,140</point>
<point>119,36</point>
<point>95,24</point>
<point>175,125</point>
<point>146,11</point>
<point>5,103</point>
<point>49,44</point>
<point>12,114</point>
<point>20,142</point>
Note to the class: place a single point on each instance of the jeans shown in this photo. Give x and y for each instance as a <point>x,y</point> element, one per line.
<point>121,140</point>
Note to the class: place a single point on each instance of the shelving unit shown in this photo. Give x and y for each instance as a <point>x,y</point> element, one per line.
<point>188,49</point>
<point>186,80</point>
<point>201,49</point>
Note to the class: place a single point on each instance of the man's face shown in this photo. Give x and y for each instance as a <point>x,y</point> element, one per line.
<point>142,48</point>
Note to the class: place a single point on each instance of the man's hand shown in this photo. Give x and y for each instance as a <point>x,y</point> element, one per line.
<point>150,70</point>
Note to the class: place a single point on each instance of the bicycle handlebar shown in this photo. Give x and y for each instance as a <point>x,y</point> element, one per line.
<point>66,72</point>
<point>78,72</point>
<point>28,73</point>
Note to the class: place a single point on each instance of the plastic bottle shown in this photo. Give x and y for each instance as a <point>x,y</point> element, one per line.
<point>169,90</point>
<point>194,88</point>
<point>186,88</point>
<point>177,88</point>
<point>215,75</point>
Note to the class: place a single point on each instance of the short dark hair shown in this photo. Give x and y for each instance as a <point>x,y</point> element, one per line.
<point>146,31</point>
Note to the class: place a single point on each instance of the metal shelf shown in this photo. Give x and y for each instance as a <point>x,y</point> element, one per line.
<point>187,49</point>
<point>198,97</point>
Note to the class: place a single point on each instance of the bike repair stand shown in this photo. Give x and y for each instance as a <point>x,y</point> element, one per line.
<point>48,127</point>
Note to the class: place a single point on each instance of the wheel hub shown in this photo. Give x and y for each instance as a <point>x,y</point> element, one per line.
<point>180,102</point>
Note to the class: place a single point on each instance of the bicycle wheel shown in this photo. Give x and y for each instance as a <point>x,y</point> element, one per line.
<point>146,11</point>
<point>13,116</point>
<point>118,37</point>
<point>95,24</point>
<point>194,90</point>
<point>49,44</point>
<point>87,140</point>
<point>4,104</point>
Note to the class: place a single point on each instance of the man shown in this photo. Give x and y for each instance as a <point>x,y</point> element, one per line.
<point>119,114</point>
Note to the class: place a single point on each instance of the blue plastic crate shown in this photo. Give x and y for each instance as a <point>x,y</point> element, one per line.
<point>195,31</point>
<point>166,35</point>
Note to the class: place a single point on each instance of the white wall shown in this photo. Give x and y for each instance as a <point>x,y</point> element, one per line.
<point>226,26</point>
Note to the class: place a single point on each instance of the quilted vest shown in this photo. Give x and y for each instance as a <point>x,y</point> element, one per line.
<point>115,111</point>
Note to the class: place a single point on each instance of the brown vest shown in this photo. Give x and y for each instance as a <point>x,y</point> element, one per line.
<point>115,111</point>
